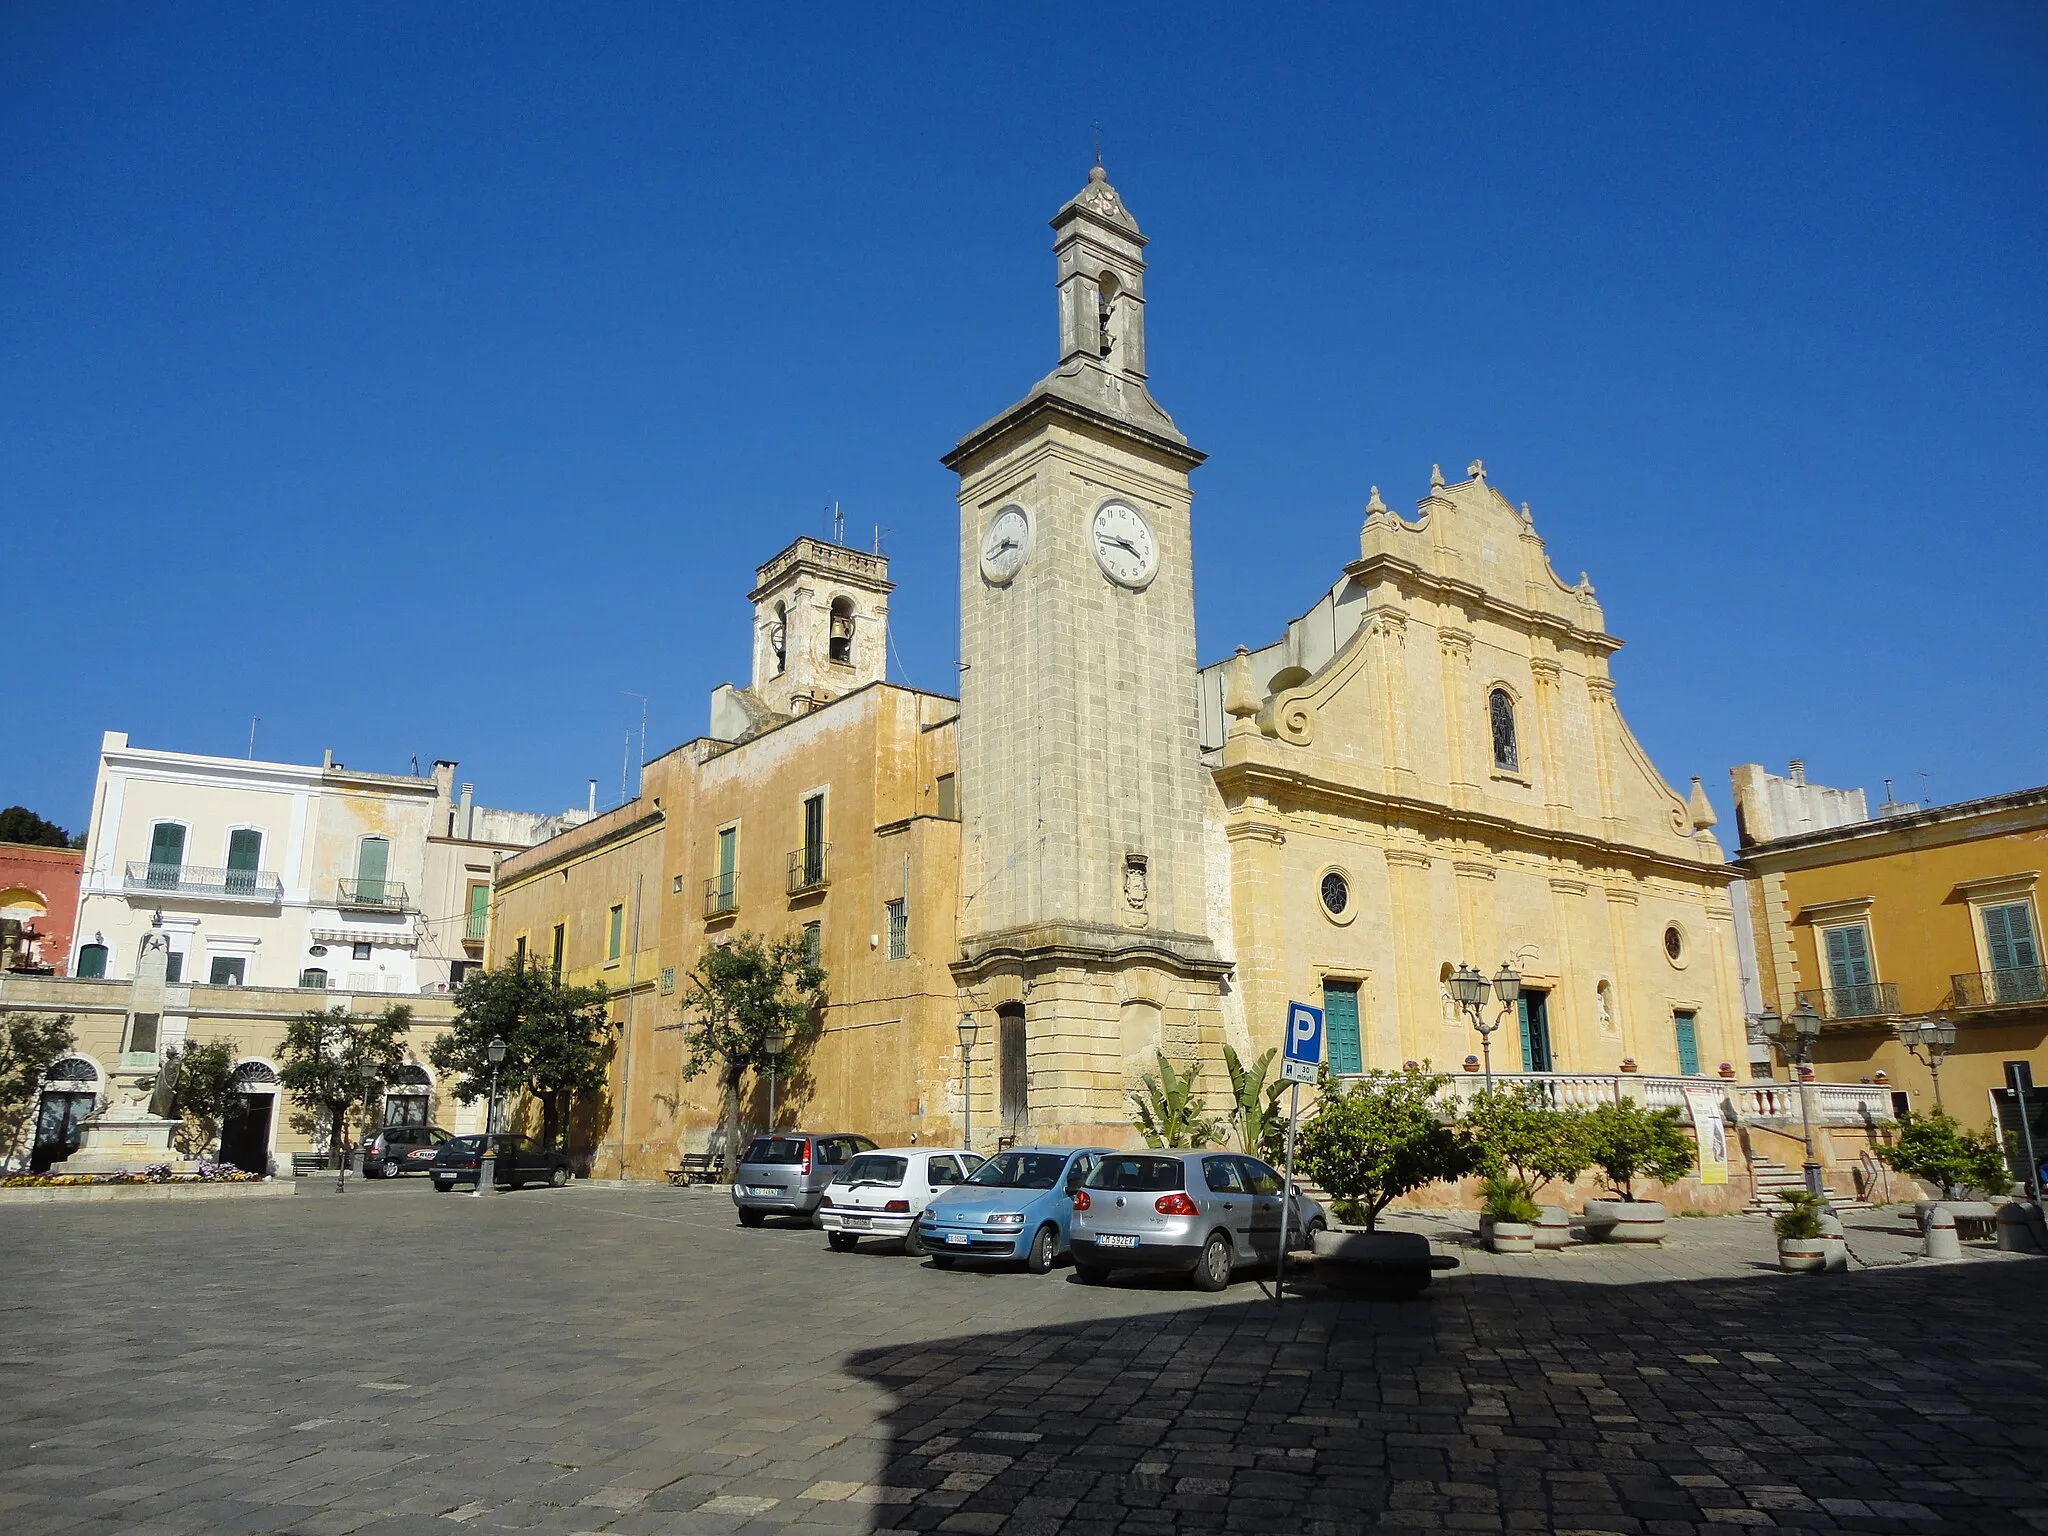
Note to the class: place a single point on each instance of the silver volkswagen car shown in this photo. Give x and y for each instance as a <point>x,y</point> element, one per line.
<point>1203,1213</point>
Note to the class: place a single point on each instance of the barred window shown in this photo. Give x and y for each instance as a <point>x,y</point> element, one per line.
<point>1501,711</point>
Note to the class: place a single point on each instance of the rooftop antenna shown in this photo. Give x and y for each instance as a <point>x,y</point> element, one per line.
<point>1098,141</point>
<point>880,529</point>
<point>629,693</point>
<point>252,734</point>
<point>1926,791</point>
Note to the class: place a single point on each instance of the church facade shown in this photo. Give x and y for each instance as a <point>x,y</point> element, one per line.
<point>1104,851</point>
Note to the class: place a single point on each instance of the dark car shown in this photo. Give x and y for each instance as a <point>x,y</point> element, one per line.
<point>520,1161</point>
<point>785,1174</point>
<point>403,1149</point>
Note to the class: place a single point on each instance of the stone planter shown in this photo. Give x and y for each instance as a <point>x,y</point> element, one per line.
<point>1554,1228</point>
<point>1803,1255</point>
<point>1513,1237</point>
<point>2019,1227</point>
<point>1391,1266</point>
<point>1625,1221</point>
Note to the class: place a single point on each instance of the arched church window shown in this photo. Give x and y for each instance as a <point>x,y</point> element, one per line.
<point>1501,710</point>
<point>840,645</point>
<point>72,1069</point>
<point>778,638</point>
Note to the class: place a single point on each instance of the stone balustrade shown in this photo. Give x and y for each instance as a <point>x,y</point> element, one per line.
<point>1767,1103</point>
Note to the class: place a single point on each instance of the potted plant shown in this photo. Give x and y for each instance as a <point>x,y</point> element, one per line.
<point>1509,1215</point>
<point>1627,1142</point>
<point>1802,1242</point>
<point>1519,1132</point>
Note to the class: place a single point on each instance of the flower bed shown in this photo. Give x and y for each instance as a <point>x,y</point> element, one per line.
<point>155,1173</point>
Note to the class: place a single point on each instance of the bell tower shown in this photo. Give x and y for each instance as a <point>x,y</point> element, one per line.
<point>1083,896</point>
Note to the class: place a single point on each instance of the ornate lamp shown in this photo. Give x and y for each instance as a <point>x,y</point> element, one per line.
<point>969,1030</point>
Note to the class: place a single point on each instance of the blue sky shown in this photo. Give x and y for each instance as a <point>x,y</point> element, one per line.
<point>421,379</point>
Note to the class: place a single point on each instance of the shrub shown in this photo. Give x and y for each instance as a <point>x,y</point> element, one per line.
<point>1169,1113</point>
<point>1933,1147</point>
<point>1518,1131</point>
<point>1509,1199</point>
<point>1627,1142</point>
<point>1801,1219</point>
<point>1384,1136</point>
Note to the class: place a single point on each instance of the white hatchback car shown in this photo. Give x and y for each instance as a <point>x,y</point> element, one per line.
<point>882,1193</point>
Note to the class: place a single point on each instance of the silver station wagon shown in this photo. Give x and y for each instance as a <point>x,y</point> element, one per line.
<point>785,1174</point>
<point>1203,1213</point>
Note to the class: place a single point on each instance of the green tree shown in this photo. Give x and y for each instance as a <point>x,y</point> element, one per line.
<point>202,1089</point>
<point>1169,1113</point>
<point>19,824</point>
<point>1255,1113</point>
<point>742,994</point>
<point>29,1043</point>
<point>1933,1147</point>
<point>1519,1132</point>
<point>1627,1142</point>
<point>558,1039</point>
<point>1388,1134</point>
<point>330,1058</point>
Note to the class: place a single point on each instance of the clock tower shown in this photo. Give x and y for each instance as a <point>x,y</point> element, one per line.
<point>1083,921</point>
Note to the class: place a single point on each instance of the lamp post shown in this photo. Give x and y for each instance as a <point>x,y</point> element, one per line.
<point>1469,987</point>
<point>487,1163</point>
<point>1934,1037</point>
<point>1794,1039</point>
<point>774,1045</point>
<point>968,1030</point>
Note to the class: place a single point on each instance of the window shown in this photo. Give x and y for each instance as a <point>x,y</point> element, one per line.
<point>2015,956</point>
<point>359,951</point>
<point>92,960</point>
<point>166,854</point>
<point>814,940</point>
<point>1500,710</point>
<point>675,885</point>
<point>899,931</point>
<point>561,939</point>
<point>373,862</point>
<point>1336,893</point>
<point>778,638</point>
<point>1685,1026</point>
<point>1534,1011</point>
<point>943,1172</point>
<point>174,968</point>
<point>519,953</point>
<point>1340,1027</point>
<point>615,934</point>
<point>1674,943</point>
<point>1851,978</point>
<point>1013,1079</point>
<point>460,971</point>
<point>1259,1178</point>
<point>668,980</point>
<point>840,643</point>
<point>227,971</point>
<point>245,852</point>
<point>724,885</point>
<point>1223,1175</point>
<point>812,856</point>
<point>479,912</point>
<point>949,797</point>
<point>314,978</point>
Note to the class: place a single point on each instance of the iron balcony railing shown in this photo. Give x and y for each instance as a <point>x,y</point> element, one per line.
<point>211,884</point>
<point>2010,988</point>
<point>372,895</point>
<point>807,868</point>
<point>1864,1000</point>
<point>722,894</point>
<point>478,923</point>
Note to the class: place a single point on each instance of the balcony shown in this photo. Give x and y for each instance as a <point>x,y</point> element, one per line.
<point>2012,988</point>
<point>807,868</point>
<point>372,896</point>
<point>1767,1103</point>
<point>1868,1000</point>
<point>722,895</point>
<point>191,880</point>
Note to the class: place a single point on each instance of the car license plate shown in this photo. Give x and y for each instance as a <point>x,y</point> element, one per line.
<point>1116,1240</point>
<point>958,1239</point>
<point>762,1191</point>
<point>858,1221</point>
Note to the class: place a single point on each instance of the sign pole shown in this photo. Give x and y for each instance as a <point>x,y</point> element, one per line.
<point>1287,1191</point>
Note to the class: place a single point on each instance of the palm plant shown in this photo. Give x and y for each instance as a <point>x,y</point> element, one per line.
<point>1169,1113</point>
<point>1255,1112</point>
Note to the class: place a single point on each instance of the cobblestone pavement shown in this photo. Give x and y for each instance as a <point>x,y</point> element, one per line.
<point>629,1361</point>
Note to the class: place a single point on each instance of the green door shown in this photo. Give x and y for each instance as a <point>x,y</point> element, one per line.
<point>373,861</point>
<point>1533,1011</point>
<point>1340,1027</point>
<point>166,854</point>
<point>245,850</point>
<point>1687,1030</point>
<point>2015,959</point>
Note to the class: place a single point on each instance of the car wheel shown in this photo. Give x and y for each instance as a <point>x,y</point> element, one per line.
<point>559,1176</point>
<point>388,1168</point>
<point>444,1188</point>
<point>752,1218</point>
<point>842,1242</point>
<point>1315,1230</point>
<point>1089,1274</point>
<point>913,1242</point>
<point>1043,1248</point>
<point>942,1261</point>
<point>1212,1269</point>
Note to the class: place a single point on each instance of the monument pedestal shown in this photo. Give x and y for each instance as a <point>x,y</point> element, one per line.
<point>122,1135</point>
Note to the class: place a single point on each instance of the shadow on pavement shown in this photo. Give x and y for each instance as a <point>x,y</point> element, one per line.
<point>1862,1402</point>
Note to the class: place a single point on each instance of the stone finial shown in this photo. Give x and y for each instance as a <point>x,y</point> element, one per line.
<point>1240,698</point>
<point>1436,477</point>
<point>1528,518</point>
<point>1373,503</point>
<point>1585,584</point>
<point>1698,808</point>
<point>1476,470</point>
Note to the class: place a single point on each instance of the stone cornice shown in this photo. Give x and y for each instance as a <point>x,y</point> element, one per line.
<point>1050,945</point>
<point>1472,597</point>
<point>512,879</point>
<point>1037,408</point>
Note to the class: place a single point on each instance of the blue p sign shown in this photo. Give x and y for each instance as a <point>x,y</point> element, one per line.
<point>1304,1033</point>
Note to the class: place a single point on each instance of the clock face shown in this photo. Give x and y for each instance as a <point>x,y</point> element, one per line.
<point>1005,544</point>
<point>1124,546</point>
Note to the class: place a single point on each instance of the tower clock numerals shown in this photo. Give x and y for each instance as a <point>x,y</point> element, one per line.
<point>1124,546</point>
<point>1005,544</point>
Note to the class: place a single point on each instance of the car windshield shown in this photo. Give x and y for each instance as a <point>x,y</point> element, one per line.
<point>464,1143</point>
<point>1136,1172</point>
<point>869,1168</point>
<point>774,1149</point>
<point>1020,1170</point>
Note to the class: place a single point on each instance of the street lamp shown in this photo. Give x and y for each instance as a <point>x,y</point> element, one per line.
<point>1794,1039</point>
<point>1469,987</point>
<point>1936,1039</point>
<point>487,1164</point>
<point>968,1030</point>
<point>774,1045</point>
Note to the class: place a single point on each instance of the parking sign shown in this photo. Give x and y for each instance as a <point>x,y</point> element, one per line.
<point>1302,1052</point>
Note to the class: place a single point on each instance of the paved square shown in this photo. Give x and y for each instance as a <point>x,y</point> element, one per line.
<point>628,1360</point>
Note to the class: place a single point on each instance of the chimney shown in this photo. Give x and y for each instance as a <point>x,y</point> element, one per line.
<point>593,797</point>
<point>1799,770</point>
<point>327,758</point>
<point>468,822</point>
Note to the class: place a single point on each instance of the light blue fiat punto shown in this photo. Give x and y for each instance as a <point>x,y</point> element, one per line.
<point>1015,1206</point>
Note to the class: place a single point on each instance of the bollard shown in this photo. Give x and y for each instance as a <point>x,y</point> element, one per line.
<point>2016,1228</point>
<point>1836,1250</point>
<point>1942,1242</point>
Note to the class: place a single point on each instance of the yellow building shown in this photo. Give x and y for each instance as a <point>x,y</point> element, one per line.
<point>1911,914</point>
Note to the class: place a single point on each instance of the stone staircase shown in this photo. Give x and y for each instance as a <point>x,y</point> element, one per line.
<point>1770,1178</point>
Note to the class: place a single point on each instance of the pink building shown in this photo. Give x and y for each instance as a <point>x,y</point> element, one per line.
<point>38,905</point>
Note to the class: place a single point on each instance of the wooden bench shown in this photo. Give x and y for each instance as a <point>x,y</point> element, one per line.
<point>304,1163</point>
<point>698,1168</point>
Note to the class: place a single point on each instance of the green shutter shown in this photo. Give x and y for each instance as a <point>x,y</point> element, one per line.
<point>1688,1034</point>
<point>1340,1027</point>
<point>373,860</point>
<point>618,930</point>
<point>2009,935</point>
<point>479,910</point>
<point>166,853</point>
<point>1528,1034</point>
<point>245,849</point>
